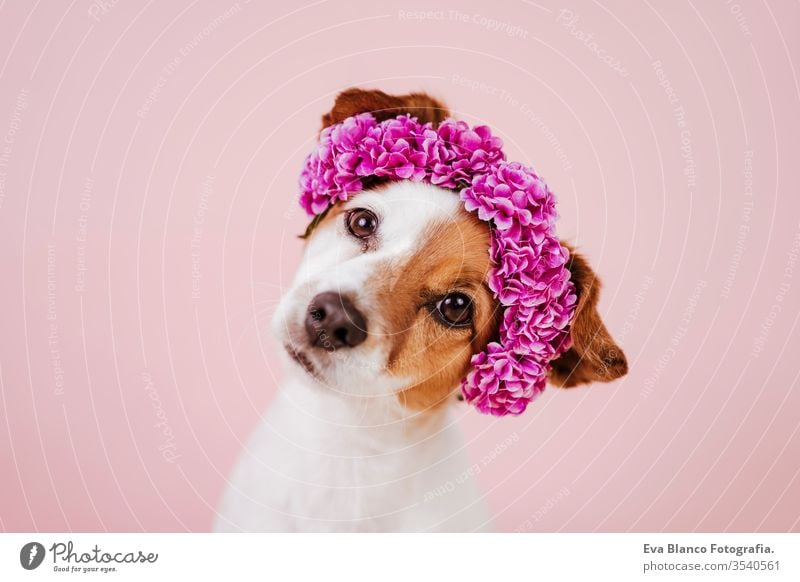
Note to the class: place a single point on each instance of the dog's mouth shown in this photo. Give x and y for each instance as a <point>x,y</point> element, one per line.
<point>302,359</point>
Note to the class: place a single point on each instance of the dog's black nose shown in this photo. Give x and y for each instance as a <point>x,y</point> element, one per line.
<point>334,322</point>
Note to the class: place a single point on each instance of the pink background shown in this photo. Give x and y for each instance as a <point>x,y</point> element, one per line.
<point>148,161</point>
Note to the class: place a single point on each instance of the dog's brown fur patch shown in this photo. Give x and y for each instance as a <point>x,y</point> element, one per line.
<point>453,256</point>
<point>594,356</point>
<point>383,106</point>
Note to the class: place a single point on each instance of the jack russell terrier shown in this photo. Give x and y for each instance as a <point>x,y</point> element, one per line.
<point>391,308</point>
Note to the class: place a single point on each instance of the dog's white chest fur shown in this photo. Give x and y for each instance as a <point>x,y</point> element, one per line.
<point>319,463</point>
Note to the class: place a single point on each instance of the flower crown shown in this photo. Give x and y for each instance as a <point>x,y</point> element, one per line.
<point>529,277</point>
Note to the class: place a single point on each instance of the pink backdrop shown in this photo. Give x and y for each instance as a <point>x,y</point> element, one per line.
<point>148,160</point>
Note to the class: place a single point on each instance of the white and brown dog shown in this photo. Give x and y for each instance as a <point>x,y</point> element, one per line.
<point>389,304</point>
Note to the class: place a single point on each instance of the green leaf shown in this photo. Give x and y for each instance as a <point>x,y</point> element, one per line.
<point>314,222</point>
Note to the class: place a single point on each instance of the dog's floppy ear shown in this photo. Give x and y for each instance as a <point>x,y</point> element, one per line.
<point>594,356</point>
<point>383,106</point>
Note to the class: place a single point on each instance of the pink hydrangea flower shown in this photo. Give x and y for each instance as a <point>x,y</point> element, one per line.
<point>529,276</point>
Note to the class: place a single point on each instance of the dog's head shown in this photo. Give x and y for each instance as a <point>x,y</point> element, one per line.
<point>391,296</point>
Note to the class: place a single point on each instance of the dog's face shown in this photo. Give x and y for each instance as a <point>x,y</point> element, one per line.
<point>391,297</point>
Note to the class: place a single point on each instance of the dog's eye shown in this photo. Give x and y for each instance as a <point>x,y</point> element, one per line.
<point>455,309</point>
<point>362,223</point>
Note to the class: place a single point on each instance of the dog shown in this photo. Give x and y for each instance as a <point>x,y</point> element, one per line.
<point>388,306</point>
